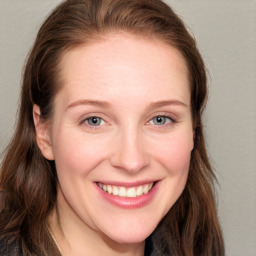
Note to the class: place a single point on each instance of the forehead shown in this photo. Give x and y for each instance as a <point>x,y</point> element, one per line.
<point>124,64</point>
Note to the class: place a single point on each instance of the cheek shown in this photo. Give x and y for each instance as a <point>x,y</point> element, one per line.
<point>77,154</point>
<point>175,153</point>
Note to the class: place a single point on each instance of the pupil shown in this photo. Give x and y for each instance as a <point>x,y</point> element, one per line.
<point>94,121</point>
<point>159,119</point>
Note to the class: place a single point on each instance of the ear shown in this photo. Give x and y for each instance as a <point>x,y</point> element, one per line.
<point>42,134</point>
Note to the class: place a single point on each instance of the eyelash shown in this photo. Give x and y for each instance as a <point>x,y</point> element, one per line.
<point>90,126</point>
<point>166,117</point>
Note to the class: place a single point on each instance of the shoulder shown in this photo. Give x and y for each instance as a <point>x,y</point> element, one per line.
<point>10,247</point>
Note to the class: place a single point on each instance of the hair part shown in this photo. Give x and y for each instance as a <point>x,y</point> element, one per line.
<point>29,180</point>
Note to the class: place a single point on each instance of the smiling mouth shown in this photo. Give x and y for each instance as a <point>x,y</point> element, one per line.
<point>131,192</point>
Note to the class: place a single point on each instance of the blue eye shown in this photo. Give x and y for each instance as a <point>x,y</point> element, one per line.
<point>94,121</point>
<point>161,120</point>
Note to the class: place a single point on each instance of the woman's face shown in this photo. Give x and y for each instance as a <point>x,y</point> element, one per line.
<point>121,136</point>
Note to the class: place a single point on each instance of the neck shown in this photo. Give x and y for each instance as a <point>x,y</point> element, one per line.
<point>74,237</point>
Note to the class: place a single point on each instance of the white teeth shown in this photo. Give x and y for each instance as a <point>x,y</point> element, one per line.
<point>126,192</point>
<point>146,189</point>
<point>109,189</point>
<point>139,191</point>
<point>115,191</point>
<point>122,192</point>
<point>131,192</point>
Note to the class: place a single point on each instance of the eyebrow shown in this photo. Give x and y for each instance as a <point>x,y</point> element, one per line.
<point>97,103</point>
<point>164,103</point>
<point>105,104</point>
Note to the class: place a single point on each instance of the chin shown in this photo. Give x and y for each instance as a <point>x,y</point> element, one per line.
<point>131,236</point>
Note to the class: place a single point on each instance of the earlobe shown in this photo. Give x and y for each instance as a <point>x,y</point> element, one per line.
<point>42,134</point>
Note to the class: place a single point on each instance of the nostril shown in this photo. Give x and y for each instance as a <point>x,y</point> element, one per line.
<point>129,154</point>
<point>129,165</point>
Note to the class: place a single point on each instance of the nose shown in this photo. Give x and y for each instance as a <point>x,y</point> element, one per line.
<point>129,152</point>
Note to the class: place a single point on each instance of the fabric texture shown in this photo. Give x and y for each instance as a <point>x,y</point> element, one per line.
<point>10,248</point>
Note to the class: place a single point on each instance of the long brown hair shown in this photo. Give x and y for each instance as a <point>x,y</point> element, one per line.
<point>28,180</point>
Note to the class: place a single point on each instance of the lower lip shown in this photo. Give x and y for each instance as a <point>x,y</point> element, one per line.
<point>129,202</point>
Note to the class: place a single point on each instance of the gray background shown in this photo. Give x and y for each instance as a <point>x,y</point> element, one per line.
<point>226,34</point>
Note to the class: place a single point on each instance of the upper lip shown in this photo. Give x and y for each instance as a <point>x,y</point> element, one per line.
<point>127,184</point>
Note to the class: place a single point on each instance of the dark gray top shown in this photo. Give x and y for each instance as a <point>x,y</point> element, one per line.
<point>10,248</point>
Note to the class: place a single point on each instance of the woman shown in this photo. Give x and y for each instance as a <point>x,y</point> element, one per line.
<point>108,156</point>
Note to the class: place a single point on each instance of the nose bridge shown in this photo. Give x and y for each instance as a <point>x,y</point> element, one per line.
<point>130,153</point>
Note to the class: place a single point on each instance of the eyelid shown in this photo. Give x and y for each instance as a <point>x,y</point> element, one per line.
<point>96,117</point>
<point>162,116</point>
<point>83,120</point>
<point>170,116</point>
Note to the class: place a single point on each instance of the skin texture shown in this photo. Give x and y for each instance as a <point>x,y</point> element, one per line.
<point>130,75</point>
